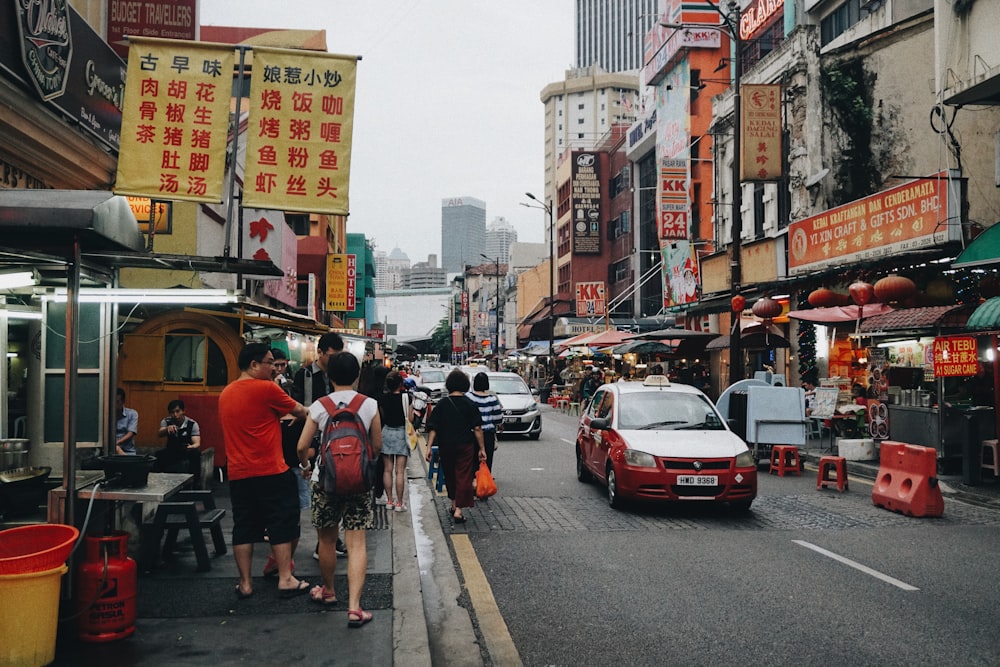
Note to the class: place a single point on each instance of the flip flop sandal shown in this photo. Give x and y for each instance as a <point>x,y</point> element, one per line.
<point>271,567</point>
<point>358,617</point>
<point>320,595</point>
<point>241,595</point>
<point>288,593</point>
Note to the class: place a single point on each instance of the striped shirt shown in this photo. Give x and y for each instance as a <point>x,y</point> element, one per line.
<point>489,409</point>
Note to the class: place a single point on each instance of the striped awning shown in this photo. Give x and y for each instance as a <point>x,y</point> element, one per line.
<point>986,317</point>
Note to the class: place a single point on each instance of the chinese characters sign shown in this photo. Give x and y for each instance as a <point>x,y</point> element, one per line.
<point>760,116</point>
<point>590,299</point>
<point>341,282</point>
<point>919,214</point>
<point>956,356</point>
<point>674,203</point>
<point>300,128</point>
<point>586,201</point>
<point>175,120</point>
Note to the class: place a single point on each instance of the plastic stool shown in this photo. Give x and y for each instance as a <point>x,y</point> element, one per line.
<point>562,404</point>
<point>838,464</point>
<point>435,468</point>
<point>785,458</point>
<point>992,447</point>
<point>573,409</point>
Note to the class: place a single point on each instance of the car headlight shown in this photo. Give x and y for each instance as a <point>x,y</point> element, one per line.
<point>634,457</point>
<point>532,407</point>
<point>745,460</point>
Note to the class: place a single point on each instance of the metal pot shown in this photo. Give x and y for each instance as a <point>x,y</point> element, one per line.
<point>925,399</point>
<point>14,453</point>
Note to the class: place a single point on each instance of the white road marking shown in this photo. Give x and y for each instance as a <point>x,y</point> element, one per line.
<point>858,566</point>
<point>536,469</point>
<point>568,442</point>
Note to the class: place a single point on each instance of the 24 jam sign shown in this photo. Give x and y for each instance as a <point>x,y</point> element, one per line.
<point>46,45</point>
<point>589,299</point>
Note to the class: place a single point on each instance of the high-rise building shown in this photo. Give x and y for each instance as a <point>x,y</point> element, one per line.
<point>463,232</point>
<point>499,235</point>
<point>609,33</point>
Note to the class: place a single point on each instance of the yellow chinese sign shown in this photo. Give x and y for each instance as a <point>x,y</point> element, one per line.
<point>175,120</point>
<point>956,356</point>
<point>341,280</point>
<point>760,117</point>
<point>299,133</point>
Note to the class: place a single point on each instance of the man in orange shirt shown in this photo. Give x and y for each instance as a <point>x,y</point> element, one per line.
<point>262,487</point>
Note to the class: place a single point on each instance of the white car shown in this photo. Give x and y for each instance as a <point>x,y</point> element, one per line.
<point>521,415</point>
<point>658,441</point>
<point>433,379</point>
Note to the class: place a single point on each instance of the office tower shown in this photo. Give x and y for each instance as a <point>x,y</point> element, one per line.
<point>610,33</point>
<point>463,232</point>
<point>499,235</point>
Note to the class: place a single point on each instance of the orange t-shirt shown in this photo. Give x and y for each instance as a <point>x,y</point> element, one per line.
<point>248,412</point>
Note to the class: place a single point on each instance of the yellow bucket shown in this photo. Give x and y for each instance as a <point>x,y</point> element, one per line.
<point>29,615</point>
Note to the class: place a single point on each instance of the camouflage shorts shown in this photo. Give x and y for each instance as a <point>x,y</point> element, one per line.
<point>355,511</point>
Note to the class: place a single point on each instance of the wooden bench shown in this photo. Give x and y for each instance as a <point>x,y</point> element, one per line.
<point>184,512</point>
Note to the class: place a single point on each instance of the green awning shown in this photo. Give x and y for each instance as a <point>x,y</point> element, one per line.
<point>986,317</point>
<point>984,249</point>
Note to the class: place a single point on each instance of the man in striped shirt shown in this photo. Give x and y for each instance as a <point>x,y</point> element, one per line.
<point>489,410</point>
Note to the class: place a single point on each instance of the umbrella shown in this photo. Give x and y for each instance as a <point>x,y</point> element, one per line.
<point>644,347</point>
<point>673,333</point>
<point>607,338</point>
<point>754,337</point>
<point>836,314</point>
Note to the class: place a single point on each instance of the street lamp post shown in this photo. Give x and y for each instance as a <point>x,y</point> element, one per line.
<point>731,26</point>
<point>496,278</point>
<point>552,268</point>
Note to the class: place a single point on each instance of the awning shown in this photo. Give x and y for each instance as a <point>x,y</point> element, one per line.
<point>835,314</point>
<point>986,317</point>
<point>983,250</point>
<point>644,347</point>
<point>914,319</point>
<point>672,333</point>
<point>49,220</point>
<point>751,338</point>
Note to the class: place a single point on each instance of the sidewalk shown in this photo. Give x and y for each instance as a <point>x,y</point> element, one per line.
<point>191,618</point>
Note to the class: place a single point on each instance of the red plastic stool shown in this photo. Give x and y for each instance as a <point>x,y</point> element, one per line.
<point>837,464</point>
<point>785,458</point>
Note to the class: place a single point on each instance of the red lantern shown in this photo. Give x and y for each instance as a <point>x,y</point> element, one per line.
<point>739,303</point>
<point>861,293</point>
<point>825,298</point>
<point>767,308</point>
<point>894,288</point>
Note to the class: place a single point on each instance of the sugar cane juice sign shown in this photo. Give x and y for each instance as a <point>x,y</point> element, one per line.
<point>919,214</point>
<point>956,356</point>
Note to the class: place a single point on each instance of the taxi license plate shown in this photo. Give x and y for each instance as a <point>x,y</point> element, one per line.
<point>697,480</point>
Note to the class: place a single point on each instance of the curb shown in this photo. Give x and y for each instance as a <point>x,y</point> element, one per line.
<point>410,642</point>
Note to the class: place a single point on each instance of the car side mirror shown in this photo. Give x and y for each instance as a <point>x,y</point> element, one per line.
<point>599,424</point>
<point>534,391</point>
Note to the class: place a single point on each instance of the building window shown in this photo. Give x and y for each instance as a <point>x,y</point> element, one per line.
<point>838,21</point>
<point>580,107</point>
<point>579,121</point>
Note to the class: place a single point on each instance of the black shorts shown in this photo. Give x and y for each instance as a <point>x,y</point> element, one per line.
<point>268,504</point>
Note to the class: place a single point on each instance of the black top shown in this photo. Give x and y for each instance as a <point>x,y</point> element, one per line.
<point>391,408</point>
<point>452,421</point>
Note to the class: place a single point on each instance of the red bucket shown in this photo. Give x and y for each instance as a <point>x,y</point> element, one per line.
<point>35,548</point>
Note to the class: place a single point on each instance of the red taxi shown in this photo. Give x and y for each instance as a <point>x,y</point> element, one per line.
<point>658,441</point>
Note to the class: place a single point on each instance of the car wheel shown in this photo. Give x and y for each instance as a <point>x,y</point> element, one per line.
<point>582,473</point>
<point>741,506</point>
<point>613,499</point>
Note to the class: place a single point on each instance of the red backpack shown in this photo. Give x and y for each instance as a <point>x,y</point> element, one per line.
<point>347,462</point>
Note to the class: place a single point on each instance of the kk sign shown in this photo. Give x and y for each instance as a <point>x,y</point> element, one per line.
<point>589,299</point>
<point>956,356</point>
<point>341,281</point>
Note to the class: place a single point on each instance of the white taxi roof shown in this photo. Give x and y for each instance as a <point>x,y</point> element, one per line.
<point>650,383</point>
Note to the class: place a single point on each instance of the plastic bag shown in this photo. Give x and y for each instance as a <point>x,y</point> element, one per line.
<point>411,435</point>
<point>485,486</point>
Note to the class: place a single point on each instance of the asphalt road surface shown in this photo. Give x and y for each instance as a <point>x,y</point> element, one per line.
<point>807,577</point>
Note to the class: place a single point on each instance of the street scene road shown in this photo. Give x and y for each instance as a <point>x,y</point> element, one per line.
<point>807,577</point>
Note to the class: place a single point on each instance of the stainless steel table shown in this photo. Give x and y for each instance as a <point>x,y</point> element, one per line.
<point>159,487</point>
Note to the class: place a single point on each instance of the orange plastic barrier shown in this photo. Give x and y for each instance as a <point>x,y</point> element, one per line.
<point>906,480</point>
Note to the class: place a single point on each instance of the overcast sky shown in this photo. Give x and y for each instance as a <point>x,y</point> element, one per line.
<point>447,103</point>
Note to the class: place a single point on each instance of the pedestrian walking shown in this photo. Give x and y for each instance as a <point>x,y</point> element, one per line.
<point>262,487</point>
<point>394,409</point>
<point>456,427</point>
<point>490,411</point>
<point>329,511</point>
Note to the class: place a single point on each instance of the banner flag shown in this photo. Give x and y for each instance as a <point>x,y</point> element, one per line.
<point>300,129</point>
<point>175,120</point>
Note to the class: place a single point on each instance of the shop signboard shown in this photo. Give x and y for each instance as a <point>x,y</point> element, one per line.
<point>956,356</point>
<point>760,117</point>
<point>341,282</point>
<point>167,19</point>
<point>590,299</point>
<point>586,204</point>
<point>922,213</point>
